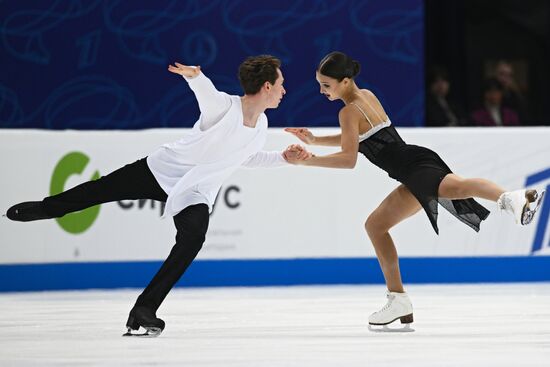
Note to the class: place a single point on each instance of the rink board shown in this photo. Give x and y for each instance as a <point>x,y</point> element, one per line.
<point>290,225</point>
<point>236,273</point>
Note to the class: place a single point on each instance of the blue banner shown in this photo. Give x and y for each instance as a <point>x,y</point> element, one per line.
<point>101,64</point>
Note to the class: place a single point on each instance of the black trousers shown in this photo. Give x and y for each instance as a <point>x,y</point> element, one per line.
<point>131,182</point>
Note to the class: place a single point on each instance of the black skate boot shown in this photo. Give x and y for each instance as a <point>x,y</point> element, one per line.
<point>28,211</point>
<point>144,317</point>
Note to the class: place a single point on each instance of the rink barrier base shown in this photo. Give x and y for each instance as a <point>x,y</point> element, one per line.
<point>273,272</point>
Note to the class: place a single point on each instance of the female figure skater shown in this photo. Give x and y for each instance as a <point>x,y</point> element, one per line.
<point>425,179</point>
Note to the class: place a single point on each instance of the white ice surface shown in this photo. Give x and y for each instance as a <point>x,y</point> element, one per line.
<point>456,325</point>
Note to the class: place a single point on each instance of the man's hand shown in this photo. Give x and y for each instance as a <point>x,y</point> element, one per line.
<point>184,70</point>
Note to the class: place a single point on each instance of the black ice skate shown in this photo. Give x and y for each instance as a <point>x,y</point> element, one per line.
<point>27,211</point>
<point>144,317</point>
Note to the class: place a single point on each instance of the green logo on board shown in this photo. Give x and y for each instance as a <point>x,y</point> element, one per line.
<point>73,163</point>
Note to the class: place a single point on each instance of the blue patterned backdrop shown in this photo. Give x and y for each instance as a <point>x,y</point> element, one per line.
<point>101,64</point>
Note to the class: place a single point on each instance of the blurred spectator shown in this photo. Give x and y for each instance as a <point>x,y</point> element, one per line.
<point>440,111</point>
<point>513,96</point>
<point>493,113</point>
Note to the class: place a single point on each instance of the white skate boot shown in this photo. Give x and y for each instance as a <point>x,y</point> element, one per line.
<point>399,306</point>
<point>517,203</point>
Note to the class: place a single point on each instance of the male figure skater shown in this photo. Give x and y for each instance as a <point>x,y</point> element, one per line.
<point>187,174</point>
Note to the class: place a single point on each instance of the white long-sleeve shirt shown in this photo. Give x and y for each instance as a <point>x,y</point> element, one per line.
<point>192,169</point>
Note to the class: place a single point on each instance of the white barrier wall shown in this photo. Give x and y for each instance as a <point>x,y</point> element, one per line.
<point>289,212</point>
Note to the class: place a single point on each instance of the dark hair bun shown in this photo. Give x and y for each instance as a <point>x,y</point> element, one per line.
<point>338,65</point>
<point>356,67</point>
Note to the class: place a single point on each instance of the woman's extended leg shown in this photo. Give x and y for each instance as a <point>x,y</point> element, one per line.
<point>516,202</point>
<point>456,187</point>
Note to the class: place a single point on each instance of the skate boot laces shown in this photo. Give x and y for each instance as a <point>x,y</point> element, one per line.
<point>388,304</point>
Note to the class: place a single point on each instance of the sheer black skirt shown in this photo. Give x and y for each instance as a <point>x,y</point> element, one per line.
<point>421,170</point>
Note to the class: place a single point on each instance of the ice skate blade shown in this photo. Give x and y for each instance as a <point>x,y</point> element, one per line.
<point>151,332</point>
<point>528,214</point>
<point>386,329</point>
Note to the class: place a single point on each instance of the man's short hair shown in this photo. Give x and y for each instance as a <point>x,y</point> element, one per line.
<point>256,70</point>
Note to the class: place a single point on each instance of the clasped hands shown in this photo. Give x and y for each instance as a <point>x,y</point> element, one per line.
<point>296,154</point>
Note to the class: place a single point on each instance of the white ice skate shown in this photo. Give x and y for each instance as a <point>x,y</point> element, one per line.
<point>518,204</point>
<point>399,306</point>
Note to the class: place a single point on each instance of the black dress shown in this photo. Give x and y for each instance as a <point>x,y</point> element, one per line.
<point>421,170</point>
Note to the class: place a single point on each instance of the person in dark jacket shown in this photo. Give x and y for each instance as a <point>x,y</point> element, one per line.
<point>493,113</point>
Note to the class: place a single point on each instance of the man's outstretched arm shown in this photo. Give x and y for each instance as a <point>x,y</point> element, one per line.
<point>272,159</point>
<point>213,104</point>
